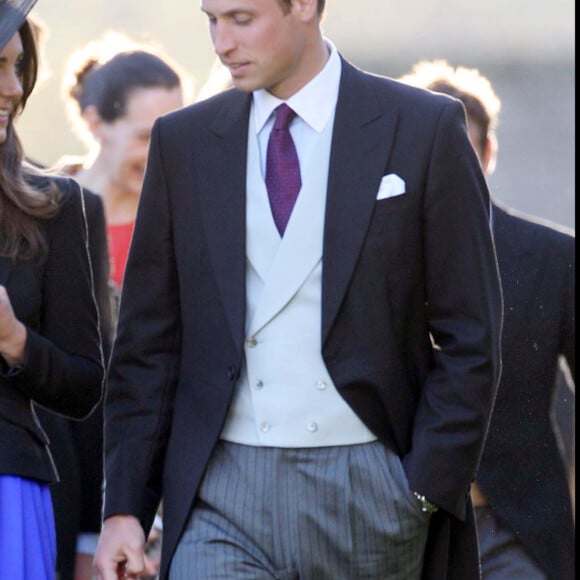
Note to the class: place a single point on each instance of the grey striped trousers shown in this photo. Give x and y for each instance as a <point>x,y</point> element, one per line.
<point>335,513</point>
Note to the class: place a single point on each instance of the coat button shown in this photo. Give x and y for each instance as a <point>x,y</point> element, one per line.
<point>259,385</point>
<point>251,342</point>
<point>265,427</point>
<point>312,427</point>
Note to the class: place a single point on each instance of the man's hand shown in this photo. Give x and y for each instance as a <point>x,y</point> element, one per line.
<point>120,552</point>
<point>83,567</point>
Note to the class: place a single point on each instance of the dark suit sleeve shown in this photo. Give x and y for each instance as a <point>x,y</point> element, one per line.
<point>464,311</point>
<point>145,358</point>
<point>63,368</point>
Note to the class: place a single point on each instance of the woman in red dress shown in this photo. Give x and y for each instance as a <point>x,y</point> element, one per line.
<point>116,89</point>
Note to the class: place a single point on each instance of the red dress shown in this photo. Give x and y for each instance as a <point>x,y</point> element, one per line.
<point>119,242</point>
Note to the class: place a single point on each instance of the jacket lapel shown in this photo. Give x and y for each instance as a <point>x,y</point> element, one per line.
<point>364,130</point>
<point>298,254</point>
<point>363,135</point>
<point>223,201</point>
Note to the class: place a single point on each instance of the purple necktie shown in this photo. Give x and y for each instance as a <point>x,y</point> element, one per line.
<point>282,168</point>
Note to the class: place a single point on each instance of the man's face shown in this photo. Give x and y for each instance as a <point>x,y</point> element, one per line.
<point>262,44</point>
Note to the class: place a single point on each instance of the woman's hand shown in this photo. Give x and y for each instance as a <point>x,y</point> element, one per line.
<point>12,332</point>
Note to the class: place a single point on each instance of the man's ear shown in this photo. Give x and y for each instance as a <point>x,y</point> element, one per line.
<point>489,157</point>
<point>305,9</point>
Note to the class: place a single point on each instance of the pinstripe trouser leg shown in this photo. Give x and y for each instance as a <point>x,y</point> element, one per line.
<point>311,514</point>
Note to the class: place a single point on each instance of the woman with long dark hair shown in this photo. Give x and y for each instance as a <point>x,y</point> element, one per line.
<point>50,350</point>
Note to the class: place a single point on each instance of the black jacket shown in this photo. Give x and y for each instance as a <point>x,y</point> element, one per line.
<point>63,367</point>
<point>522,473</point>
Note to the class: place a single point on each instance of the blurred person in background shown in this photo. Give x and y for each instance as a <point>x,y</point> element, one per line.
<point>50,351</point>
<point>115,87</point>
<point>521,494</point>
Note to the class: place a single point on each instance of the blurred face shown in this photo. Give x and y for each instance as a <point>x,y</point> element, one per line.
<point>475,134</point>
<point>485,148</point>
<point>262,45</point>
<point>10,85</point>
<point>125,142</point>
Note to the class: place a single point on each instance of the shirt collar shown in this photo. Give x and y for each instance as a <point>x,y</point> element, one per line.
<point>314,103</point>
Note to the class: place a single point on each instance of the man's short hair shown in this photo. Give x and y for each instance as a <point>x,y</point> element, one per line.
<point>468,85</point>
<point>287,3</point>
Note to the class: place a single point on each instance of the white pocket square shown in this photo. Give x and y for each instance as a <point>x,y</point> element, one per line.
<point>390,186</point>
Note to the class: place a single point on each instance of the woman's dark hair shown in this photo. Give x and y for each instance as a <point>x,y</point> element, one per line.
<point>108,86</point>
<point>21,205</point>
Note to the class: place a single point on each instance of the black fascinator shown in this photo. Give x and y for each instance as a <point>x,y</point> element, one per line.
<point>12,15</point>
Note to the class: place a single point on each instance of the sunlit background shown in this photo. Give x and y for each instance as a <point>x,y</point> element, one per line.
<point>526,48</point>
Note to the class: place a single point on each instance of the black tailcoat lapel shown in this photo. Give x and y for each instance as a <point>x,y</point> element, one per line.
<point>364,129</point>
<point>223,205</point>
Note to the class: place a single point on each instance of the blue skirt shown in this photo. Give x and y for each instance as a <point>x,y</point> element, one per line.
<point>27,532</point>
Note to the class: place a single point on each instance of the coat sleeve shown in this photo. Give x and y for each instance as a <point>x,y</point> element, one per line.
<point>464,311</point>
<point>63,368</point>
<point>144,365</point>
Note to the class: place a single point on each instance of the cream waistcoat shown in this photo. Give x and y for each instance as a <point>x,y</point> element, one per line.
<point>285,396</point>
